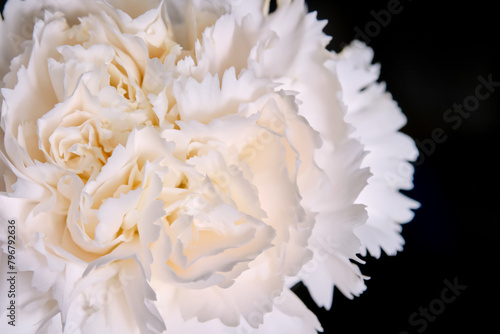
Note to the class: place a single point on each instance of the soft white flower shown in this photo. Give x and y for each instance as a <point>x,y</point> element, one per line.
<point>179,165</point>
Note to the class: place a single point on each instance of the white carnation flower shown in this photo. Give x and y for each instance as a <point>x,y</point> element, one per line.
<point>178,166</point>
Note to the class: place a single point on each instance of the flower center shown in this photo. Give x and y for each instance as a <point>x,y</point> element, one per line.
<point>82,144</point>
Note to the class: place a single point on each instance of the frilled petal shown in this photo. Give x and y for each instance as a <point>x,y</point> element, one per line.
<point>123,287</point>
<point>377,119</point>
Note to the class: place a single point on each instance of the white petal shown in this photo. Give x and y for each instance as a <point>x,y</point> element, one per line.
<point>377,118</point>
<point>290,316</point>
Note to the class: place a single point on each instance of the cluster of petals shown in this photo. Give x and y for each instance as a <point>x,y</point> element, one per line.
<point>178,166</point>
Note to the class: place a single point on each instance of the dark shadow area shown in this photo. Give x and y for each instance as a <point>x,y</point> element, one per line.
<point>433,59</point>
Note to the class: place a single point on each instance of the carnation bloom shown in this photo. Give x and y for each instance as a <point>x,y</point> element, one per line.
<point>179,166</point>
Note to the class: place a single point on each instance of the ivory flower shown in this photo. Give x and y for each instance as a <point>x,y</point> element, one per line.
<point>177,166</point>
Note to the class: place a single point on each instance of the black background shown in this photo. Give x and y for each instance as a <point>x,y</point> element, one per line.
<point>431,55</point>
